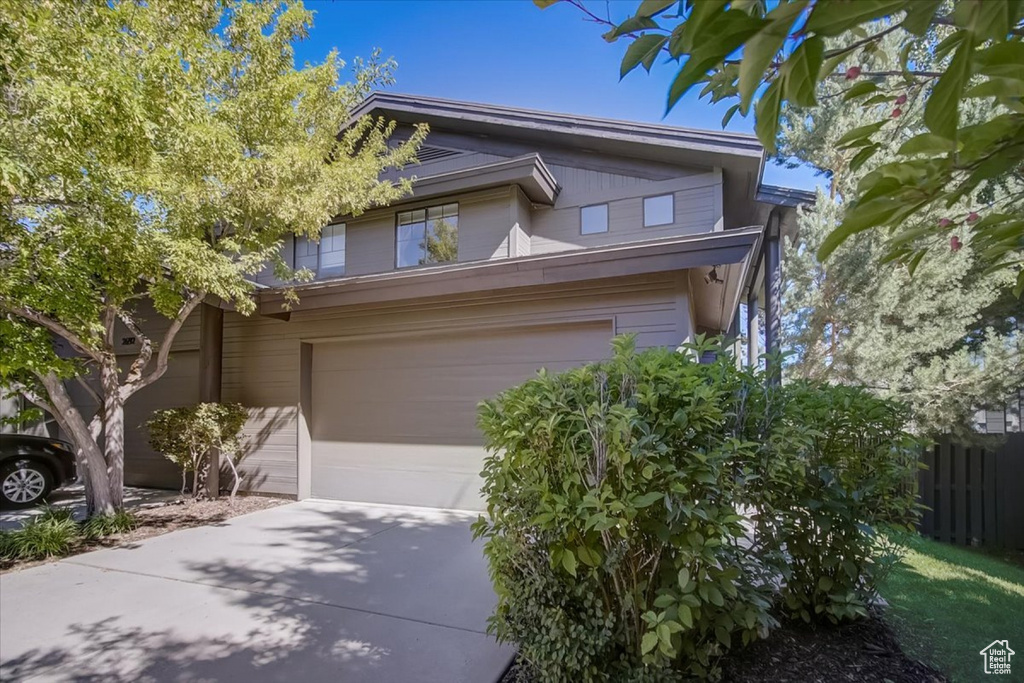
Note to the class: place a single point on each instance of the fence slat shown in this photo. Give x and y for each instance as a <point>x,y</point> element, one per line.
<point>960,494</point>
<point>926,490</point>
<point>989,493</point>
<point>943,521</point>
<point>975,532</point>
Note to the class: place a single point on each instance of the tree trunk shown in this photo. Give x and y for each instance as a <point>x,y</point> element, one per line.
<point>113,428</point>
<point>95,474</point>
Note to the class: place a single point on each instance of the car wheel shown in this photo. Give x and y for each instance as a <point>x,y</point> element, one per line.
<point>24,483</point>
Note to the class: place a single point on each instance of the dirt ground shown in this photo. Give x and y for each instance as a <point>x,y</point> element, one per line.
<point>154,520</point>
<point>861,652</point>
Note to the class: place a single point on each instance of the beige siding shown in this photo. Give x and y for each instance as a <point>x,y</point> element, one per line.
<point>445,165</point>
<point>370,244</point>
<point>484,227</point>
<point>262,355</point>
<point>697,204</point>
<point>522,225</point>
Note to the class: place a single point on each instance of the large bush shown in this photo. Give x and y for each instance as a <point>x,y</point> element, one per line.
<point>841,470</point>
<point>632,505</point>
<point>187,435</point>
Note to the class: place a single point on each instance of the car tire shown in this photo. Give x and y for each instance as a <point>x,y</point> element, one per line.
<point>24,484</point>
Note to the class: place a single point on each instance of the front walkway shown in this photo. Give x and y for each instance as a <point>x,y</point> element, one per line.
<point>311,591</point>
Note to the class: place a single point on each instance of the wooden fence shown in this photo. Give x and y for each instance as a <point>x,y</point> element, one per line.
<point>975,495</point>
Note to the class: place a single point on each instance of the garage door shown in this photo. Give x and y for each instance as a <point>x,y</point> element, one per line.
<point>394,419</point>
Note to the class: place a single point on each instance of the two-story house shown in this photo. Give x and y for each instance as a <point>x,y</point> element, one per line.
<point>529,241</point>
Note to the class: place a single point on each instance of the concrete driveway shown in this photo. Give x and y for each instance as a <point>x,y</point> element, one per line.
<point>311,591</point>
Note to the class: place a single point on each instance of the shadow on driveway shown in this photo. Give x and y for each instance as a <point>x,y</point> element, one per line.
<point>310,591</point>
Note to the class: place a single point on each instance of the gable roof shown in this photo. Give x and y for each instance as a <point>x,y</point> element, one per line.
<point>475,115</point>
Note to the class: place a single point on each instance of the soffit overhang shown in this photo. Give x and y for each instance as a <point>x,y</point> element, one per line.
<point>732,250</point>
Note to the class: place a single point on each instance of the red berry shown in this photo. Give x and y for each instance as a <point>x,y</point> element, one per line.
<point>954,243</point>
<point>897,112</point>
<point>901,99</point>
<point>852,73</point>
<point>972,217</point>
<point>945,222</point>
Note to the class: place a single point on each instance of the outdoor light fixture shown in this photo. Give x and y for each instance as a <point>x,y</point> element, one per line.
<point>712,277</point>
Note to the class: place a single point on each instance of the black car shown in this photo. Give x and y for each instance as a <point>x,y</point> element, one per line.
<point>31,467</point>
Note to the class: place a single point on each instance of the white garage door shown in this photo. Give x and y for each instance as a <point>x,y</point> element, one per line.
<point>394,419</point>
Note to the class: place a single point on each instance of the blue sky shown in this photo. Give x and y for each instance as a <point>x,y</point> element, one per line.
<point>509,52</point>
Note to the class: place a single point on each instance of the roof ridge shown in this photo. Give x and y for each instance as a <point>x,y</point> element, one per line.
<point>381,97</point>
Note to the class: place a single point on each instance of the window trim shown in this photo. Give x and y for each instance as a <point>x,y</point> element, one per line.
<point>607,218</point>
<point>643,217</point>
<point>425,209</point>
<point>331,270</point>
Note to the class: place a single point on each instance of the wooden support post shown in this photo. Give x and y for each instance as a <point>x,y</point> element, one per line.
<point>773,292</point>
<point>211,351</point>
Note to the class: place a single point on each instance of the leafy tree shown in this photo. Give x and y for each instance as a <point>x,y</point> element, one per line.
<point>186,435</point>
<point>765,55</point>
<point>155,154</point>
<point>945,341</point>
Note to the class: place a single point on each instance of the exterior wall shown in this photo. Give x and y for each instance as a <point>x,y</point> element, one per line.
<point>696,202</point>
<point>262,356</point>
<point>502,223</point>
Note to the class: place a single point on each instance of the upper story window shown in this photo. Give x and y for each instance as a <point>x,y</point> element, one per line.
<point>332,249</point>
<point>304,247</point>
<point>594,219</point>
<point>427,236</point>
<point>659,210</point>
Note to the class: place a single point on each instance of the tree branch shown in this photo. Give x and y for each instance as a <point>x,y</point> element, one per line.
<point>145,352</point>
<point>52,325</point>
<point>33,397</point>
<point>163,354</point>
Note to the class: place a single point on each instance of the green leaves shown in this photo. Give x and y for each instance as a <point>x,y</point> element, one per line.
<point>832,17</point>
<point>859,218</point>
<point>942,111</point>
<point>763,47</point>
<point>768,109</point>
<point>731,29</point>
<point>644,50</point>
<point>926,143</point>
<point>801,72</point>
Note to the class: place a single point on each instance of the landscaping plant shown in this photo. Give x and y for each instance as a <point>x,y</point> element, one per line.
<point>841,473</point>
<point>644,513</point>
<point>50,534</point>
<point>55,533</point>
<point>187,435</point>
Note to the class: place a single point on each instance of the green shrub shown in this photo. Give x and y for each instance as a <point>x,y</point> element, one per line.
<point>843,471</point>
<point>50,534</point>
<point>186,435</point>
<point>613,534</point>
<point>644,511</point>
<point>119,522</point>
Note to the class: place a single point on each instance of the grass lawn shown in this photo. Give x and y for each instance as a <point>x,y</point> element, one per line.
<point>948,602</point>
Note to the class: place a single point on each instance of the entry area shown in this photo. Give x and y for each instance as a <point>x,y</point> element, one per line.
<point>393,419</point>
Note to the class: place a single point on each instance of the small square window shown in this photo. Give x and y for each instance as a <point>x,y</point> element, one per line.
<point>594,219</point>
<point>659,211</point>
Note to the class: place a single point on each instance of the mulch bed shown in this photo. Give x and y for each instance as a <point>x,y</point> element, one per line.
<point>157,519</point>
<point>859,652</point>
<point>865,650</point>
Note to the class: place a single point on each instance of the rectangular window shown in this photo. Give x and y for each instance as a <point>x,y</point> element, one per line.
<point>304,247</point>
<point>426,236</point>
<point>659,210</point>
<point>594,219</point>
<point>332,248</point>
